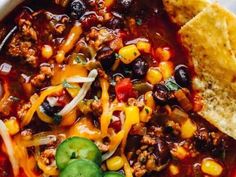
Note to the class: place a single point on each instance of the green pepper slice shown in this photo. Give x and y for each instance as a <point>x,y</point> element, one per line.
<point>81,168</point>
<point>77,148</point>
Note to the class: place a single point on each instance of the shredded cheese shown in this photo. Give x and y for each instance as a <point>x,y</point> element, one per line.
<point>70,42</point>
<point>28,117</point>
<point>127,168</point>
<point>44,117</point>
<point>107,113</point>
<point>26,163</point>
<point>39,141</point>
<point>9,147</point>
<point>79,79</point>
<point>131,118</point>
<point>116,140</point>
<point>50,170</point>
<point>82,93</point>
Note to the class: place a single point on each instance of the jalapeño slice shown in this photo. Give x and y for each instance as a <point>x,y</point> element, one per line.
<point>81,168</point>
<point>77,148</point>
<point>112,174</point>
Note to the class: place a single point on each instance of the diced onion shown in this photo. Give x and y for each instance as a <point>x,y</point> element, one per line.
<point>5,68</point>
<point>9,147</point>
<point>82,93</point>
<point>52,101</point>
<point>79,79</point>
<point>127,168</point>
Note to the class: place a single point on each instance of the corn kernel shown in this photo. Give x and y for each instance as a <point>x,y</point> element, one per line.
<point>188,129</point>
<point>154,76</point>
<point>129,53</point>
<point>163,54</point>
<point>12,126</point>
<point>115,163</point>
<point>132,114</point>
<point>47,51</point>
<point>167,69</point>
<point>149,100</point>
<point>144,46</point>
<point>174,170</point>
<point>211,167</point>
<point>179,152</point>
<point>145,114</point>
<point>60,56</point>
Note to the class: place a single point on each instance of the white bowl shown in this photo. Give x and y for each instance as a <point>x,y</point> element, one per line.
<point>6,6</point>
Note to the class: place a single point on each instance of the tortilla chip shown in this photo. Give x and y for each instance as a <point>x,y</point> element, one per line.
<point>209,39</point>
<point>181,11</point>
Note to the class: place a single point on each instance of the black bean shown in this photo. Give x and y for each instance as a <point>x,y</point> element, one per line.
<point>50,111</point>
<point>76,9</point>
<point>203,141</point>
<point>218,151</point>
<point>215,143</point>
<point>125,5</point>
<point>140,67</point>
<point>133,143</point>
<point>162,152</point>
<point>182,75</point>
<point>106,56</point>
<point>161,94</point>
<point>168,130</point>
<point>127,70</point>
<point>115,23</point>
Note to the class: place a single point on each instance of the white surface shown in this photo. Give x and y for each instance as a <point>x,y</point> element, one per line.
<point>230,4</point>
<point>7,6</point>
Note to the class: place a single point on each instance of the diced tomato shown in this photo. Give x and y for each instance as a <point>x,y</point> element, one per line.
<point>63,99</point>
<point>124,90</point>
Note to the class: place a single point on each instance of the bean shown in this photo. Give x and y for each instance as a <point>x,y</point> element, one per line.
<point>77,8</point>
<point>182,75</point>
<point>107,57</point>
<point>161,94</point>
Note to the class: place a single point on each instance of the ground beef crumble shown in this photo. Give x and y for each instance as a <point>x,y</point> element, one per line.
<point>23,43</point>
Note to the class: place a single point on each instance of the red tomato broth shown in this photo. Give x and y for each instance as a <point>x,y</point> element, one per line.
<point>152,23</point>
